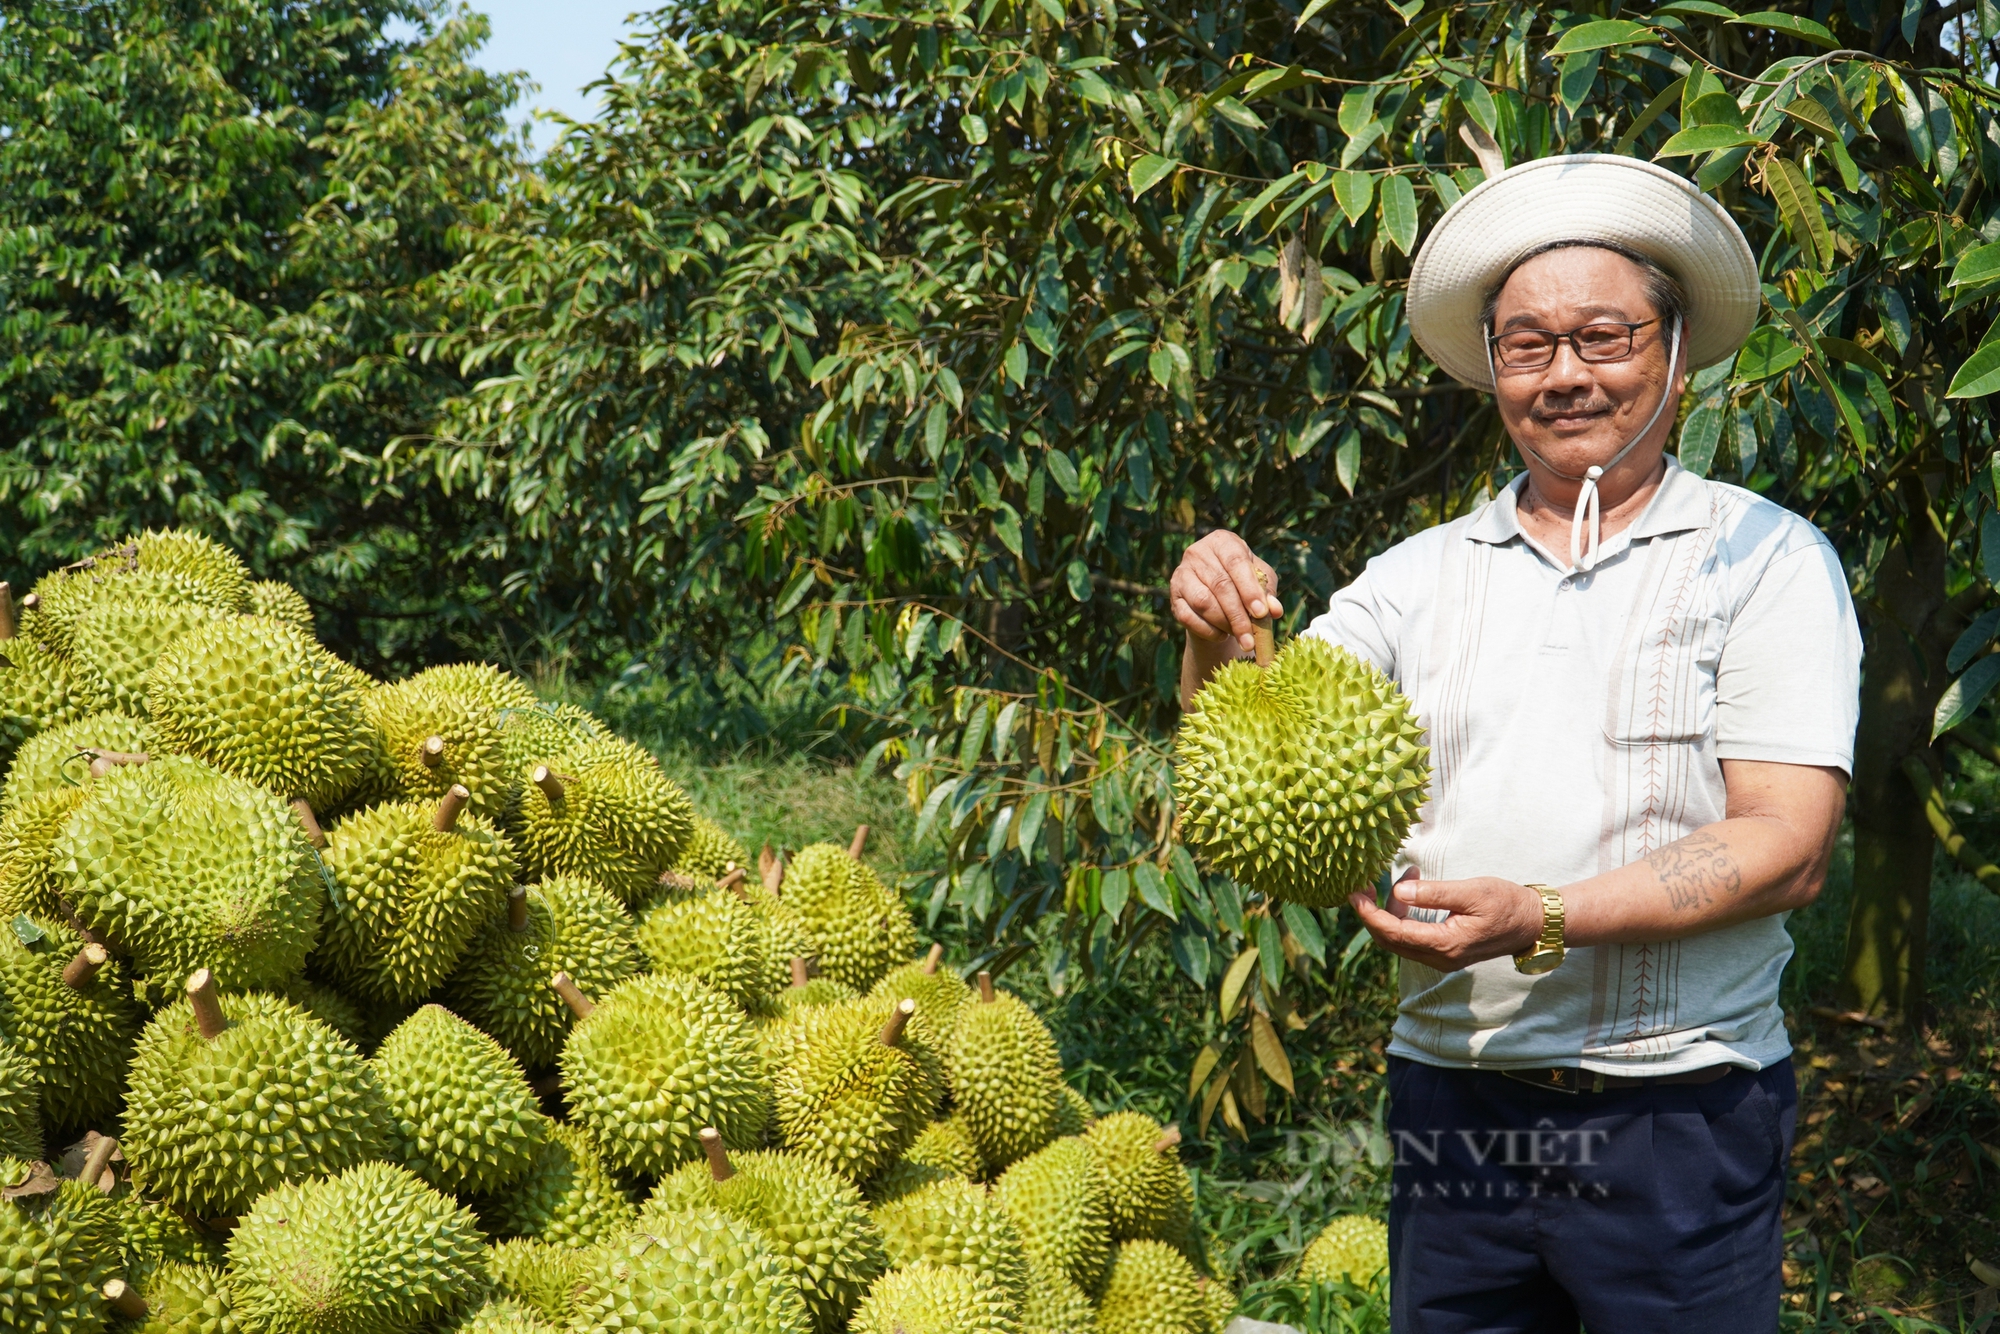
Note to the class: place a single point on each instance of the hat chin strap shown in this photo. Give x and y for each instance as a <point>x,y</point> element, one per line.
<point>1587,506</point>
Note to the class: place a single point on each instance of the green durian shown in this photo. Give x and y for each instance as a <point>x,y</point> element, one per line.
<point>259,699</point>
<point>152,1236</point>
<point>182,866</point>
<point>505,1316</point>
<point>461,1114</point>
<point>538,731</point>
<point>1006,1079</point>
<point>409,897</point>
<point>58,1247</point>
<point>954,1222</point>
<point>658,1058</point>
<point>862,929</point>
<point>1074,1114</point>
<point>935,1299</point>
<point>1353,1247</point>
<point>20,1106</point>
<point>785,937</point>
<point>408,717</point>
<point>1218,1303</point>
<point>1300,780</point>
<point>1055,1304</point>
<point>165,566</point>
<point>186,1299</point>
<point>710,851</point>
<point>538,1274</point>
<point>855,1084</point>
<point>331,1007</point>
<point>77,1039</point>
<point>39,690</point>
<point>278,601</point>
<point>1151,1289</point>
<point>689,1273</point>
<point>605,810</point>
<point>817,993</point>
<point>1146,1189</point>
<point>941,1152</point>
<point>1056,1198</point>
<point>30,881</point>
<point>211,1124</point>
<point>115,643</point>
<point>567,1197</point>
<point>54,760</point>
<point>815,1222</point>
<point>370,1251</point>
<point>710,935</point>
<point>482,683</point>
<point>940,993</point>
<point>502,982</point>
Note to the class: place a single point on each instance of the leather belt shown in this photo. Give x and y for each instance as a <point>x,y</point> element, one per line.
<point>1570,1079</point>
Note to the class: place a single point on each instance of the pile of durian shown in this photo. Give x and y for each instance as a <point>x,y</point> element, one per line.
<point>330,1006</point>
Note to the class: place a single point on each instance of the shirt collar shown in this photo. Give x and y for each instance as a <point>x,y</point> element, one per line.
<point>1679,505</point>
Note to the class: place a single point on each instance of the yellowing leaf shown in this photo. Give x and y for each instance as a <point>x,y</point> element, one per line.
<point>1205,1062</point>
<point>1270,1052</point>
<point>1233,980</point>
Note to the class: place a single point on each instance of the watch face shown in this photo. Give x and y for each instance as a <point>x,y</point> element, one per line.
<point>1541,961</point>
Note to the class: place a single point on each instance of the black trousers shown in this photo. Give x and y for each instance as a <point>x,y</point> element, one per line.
<point>1651,1210</point>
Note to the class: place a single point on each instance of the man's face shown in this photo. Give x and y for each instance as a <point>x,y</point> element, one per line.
<point>1572,412</point>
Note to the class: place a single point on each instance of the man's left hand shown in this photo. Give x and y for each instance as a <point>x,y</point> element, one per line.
<point>1489,917</point>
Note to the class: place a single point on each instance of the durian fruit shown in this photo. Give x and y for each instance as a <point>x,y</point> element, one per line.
<point>1006,1077</point>
<point>1299,779</point>
<point>1218,1302</point>
<point>942,1151</point>
<point>652,1062</point>
<point>563,925</point>
<point>1353,1247</point>
<point>567,1198</point>
<point>38,690</point>
<point>186,1299</point>
<point>1056,1199</point>
<point>711,935</point>
<point>1074,1115</point>
<point>259,699</point>
<point>505,1316</point>
<point>812,993</point>
<point>862,929</point>
<point>115,643</point>
<point>414,882</point>
<point>935,1299</point>
<point>855,1084</point>
<point>182,866</point>
<point>332,1008</point>
<point>544,732</point>
<point>212,1122</point>
<point>58,1248</point>
<point>431,740</point>
<point>955,1223</point>
<point>58,759</point>
<point>482,683</point>
<point>1151,1289</point>
<point>710,851</point>
<point>461,1114</point>
<point>20,1106</point>
<point>689,1273</point>
<point>66,1009</point>
<point>29,879</point>
<point>786,937</point>
<point>373,1249</point>
<point>152,1236</point>
<point>538,1275</point>
<point>814,1221</point>
<point>165,566</point>
<point>1055,1304</point>
<point>280,602</point>
<point>604,810</point>
<point>940,993</point>
<point>1146,1189</point>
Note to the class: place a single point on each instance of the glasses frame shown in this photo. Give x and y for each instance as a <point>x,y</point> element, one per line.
<point>1631,328</point>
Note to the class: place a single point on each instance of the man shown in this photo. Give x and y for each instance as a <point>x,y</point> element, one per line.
<point>1640,689</point>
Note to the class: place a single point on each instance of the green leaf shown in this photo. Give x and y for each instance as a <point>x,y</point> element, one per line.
<point>1032,815</point>
<point>1112,893</point>
<point>1768,351</point>
<point>973,128</point>
<point>26,930</point>
<point>1600,34</point>
<point>1232,110</point>
<point>1800,205</point>
<point>1980,373</point>
<point>1160,362</point>
<point>1271,952</point>
<point>1964,695</point>
<point>1399,212</point>
<point>1978,265</point>
<point>1977,635</point>
<point>1357,109</point>
<point>1989,548</point>
<point>1478,103</point>
<point>1706,139</point>
<point>934,426</point>
<point>1792,25</point>
<point>1148,171</point>
<point>1017,364</point>
<point>1265,196</point>
<point>1721,167</point>
<point>1699,436</point>
<point>1578,77</point>
<point>1808,112</point>
<point>1715,108</point>
<point>1701,8</point>
<point>1354,191</point>
<point>1077,575</point>
<point>1347,460</point>
<point>1153,891</point>
<point>1664,100</point>
<point>1304,926</point>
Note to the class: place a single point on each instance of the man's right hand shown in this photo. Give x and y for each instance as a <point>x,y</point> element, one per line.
<point>1216,593</point>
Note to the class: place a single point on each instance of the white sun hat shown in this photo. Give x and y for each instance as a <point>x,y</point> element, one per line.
<point>1580,197</point>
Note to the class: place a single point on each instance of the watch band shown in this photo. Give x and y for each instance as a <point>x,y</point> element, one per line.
<point>1547,951</point>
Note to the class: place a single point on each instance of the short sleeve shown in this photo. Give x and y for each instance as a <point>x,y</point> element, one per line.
<point>1788,686</point>
<point>1365,617</point>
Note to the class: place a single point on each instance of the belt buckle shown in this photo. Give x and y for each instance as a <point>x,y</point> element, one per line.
<point>1556,1078</point>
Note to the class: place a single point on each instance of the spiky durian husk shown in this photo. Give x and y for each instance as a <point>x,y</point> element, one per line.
<point>164,566</point>
<point>1056,1199</point>
<point>538,731</point>
<point>484,684</point>
<point>53,761</point>
<point>461,1114</point>
<point>537,1274</point>
<point>57,1251</point>
<point>407,714</point>
<point>20,1106</point>
<point>502,983</point>
<point>332,1007</point>
<point>942,1151</point>
<point>621,820</point>
<point>936,1299</point>
<point>659,1058</point>
<point>786,937</point>
<point>409,898</point>
<point>1300,780</point>
<point>185,867</point>
<point>940,996</point>
<point>372,1249</point>
<point>815,1222</point>
<point>1354,1247</point>
<point>1151,1289</point>
<point>862,929</point>
<point>1146,1192</point>
<point>505,1316</point>
<point>280,602</point>
<point>846,1100</point>
<point>567,1198</point>
<point>186,1299</point>
<point>152,1236</point>
<point>954,1222</point>
<point>259,699</point>
<point>1055,1304</point>
<point>77,1040</point>
<point>39,690</point>
<point>30,881</point>
<point>710,935</point>
<point>1006,1079</point>
<point>1218,1303</point>
<point>690,1273</point>
<point>710,850</point>
<point>279,1096</point>
<point>115,643</point>
<point>1074,1114</point>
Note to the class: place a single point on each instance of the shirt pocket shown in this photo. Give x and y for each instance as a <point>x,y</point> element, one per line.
<point>1665,691</point>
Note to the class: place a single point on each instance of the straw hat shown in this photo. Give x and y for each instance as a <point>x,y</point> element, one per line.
<point>1580,197</point>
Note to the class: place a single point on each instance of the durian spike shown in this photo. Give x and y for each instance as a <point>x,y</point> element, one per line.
<point>78,972</point>
<point>892,1032</point>
<point>799,974</point>
<point>103,762</point>
<point>431,753</point>
<point>985,987</point>
<point>579,1004</point>
<point>207,1006</point>
<point>551,785</point>
<point>860,842</point>
<point>517,910</point>
<point>97,1162</point>
<point>718,1157</point>
<point>309,822</point>
<point>1260,632</point>
<point>771,867</point>
<point>120,1297</point>
<point>932,960</point>
<point>6,611</point>
<point>1169,1140</point>
<point>449,808</point>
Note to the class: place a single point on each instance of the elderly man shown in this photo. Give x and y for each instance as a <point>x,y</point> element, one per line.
<point>1641,691</point>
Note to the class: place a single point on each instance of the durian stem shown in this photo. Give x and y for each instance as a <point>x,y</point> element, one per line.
<point>799,974</point>
<point>6,611</point>
<point>31,602</point>
<point>718,1157</point>
<point>78,972</point>
<point>97,1161</point>
<point>206,1003</point>
<point>103,762</point>
<point>550,784</point>
<point>517,910</point>
<point>985,987</point>
<point>1169,1140</point>
<point>932,960</point>
<point>1260,633</point>
<point>431,753</point>
<point>309,822</point>
<point>450,808</point>
<point>771,866</point>
<point>860,842</point>
<point>892,1032</point>
<point>733,882</point>
<point>579,1004</point>
<point>118,1294</point>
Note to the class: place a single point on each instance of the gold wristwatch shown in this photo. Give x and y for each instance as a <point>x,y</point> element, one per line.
<point>1547,952</point>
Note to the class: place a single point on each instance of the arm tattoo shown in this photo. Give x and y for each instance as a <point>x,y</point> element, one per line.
<point>1692,870</point>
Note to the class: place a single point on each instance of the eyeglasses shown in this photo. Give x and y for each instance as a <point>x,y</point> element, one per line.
<point>1532,349</point>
